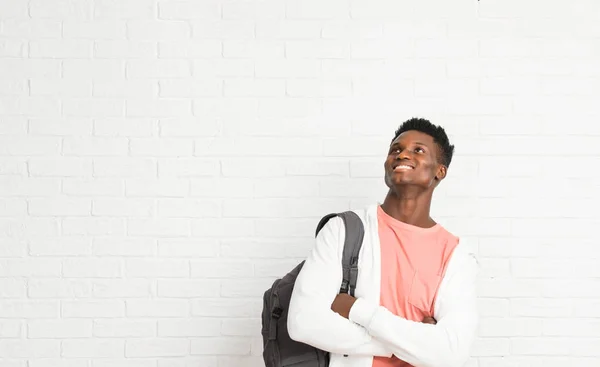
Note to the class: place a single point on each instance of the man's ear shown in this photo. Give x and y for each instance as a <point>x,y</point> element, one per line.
<point>441,172</point>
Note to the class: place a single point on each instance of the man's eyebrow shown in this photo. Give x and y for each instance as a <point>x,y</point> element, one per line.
<point>416,142</point>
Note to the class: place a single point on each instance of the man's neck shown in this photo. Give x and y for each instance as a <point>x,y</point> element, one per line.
<point>410,209</point>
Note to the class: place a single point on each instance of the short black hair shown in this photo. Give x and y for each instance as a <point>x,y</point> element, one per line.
<point>436,132</point>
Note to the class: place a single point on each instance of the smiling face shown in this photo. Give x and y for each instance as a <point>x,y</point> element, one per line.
<point>413,159</point>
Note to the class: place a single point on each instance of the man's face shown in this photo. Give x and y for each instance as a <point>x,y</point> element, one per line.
<point>413,160</point>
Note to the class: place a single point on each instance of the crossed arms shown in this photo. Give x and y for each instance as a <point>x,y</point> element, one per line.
<point>372,330</point>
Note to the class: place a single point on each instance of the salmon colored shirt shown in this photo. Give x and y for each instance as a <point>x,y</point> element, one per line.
<point>413,262</point>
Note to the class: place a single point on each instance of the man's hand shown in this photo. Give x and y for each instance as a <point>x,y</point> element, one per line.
<point>342,304</point>
<point>429,320</point>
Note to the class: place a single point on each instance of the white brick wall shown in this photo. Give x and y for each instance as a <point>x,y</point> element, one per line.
<point>162,162</point>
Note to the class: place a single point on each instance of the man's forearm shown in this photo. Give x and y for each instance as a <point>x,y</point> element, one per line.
<point>328,331</point>
<point>414,342</point>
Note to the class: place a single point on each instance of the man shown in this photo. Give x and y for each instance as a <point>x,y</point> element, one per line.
<point>415,299</point>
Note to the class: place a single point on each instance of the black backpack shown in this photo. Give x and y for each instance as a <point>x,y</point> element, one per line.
<point>279,350</point>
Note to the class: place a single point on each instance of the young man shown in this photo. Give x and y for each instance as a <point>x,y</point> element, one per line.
<point>416,298</point>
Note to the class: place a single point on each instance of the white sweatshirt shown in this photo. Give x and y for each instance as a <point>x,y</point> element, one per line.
<point>372,330</point>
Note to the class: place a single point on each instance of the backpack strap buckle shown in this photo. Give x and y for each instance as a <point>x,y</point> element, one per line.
<point>276,313</point>
<point>353,279</point>
<point>344,287</point>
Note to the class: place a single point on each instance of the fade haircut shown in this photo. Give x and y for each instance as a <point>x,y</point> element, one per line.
<point>438,134</point>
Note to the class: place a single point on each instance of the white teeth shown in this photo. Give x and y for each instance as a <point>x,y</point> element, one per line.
<point>403,166</point>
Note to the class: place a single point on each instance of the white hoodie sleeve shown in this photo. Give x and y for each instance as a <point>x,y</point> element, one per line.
<point>446,344</point>
<point>310,318</point>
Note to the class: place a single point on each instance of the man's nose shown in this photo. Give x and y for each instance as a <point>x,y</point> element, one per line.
<point>404,154</point>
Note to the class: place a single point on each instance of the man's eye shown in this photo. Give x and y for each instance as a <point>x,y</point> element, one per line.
<point>421,149</point>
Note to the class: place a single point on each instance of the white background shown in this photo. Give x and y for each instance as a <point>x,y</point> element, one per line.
<point>162,162</point>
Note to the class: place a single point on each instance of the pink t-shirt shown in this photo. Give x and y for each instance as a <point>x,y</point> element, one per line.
<point>413,262</point>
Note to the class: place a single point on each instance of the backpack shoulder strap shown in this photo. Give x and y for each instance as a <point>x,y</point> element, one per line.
<point>355,233</point>
<point>324,221</point>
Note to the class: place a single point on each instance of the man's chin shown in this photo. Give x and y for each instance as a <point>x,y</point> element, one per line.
<point>399,178</point>
<point>404,182</point>
<point>395,183</point>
